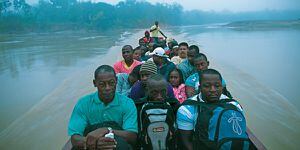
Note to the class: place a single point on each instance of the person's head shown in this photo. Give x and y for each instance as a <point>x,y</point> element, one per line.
<point>156,23</point>
<point>194,47</point>
<point>159,56</point>
<point>151,47</point>
<point>105,81</point>
<point>175,50</point>
<point>156,89</point>
<point>183,48</point>
<point>134,75</point>
<point>170,42</point>
<point>142,42</point>
<point>147,34</point>
<point>148,68</point>
<point>144,49</point>
<point>162,43</point>
<point>137,53</point>
<point>210,85</point>
<point>200,62</point>
<point>127,53</point>
<point>193,50</point>
<point>175,77</point>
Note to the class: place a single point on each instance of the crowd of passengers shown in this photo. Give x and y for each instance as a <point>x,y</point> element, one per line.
<point>158,70</point>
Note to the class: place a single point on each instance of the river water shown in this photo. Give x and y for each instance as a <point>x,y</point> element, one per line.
<point>43,75</point>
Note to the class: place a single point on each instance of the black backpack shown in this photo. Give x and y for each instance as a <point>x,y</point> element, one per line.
<point>157,125</point>
<point>219,126</point>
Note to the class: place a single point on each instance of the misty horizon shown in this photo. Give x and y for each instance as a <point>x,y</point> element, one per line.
<point>234,6</point>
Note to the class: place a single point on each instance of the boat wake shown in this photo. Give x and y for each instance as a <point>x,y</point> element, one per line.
<point>44,126</point>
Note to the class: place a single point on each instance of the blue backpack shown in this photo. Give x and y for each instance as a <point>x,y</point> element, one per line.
<point>219,126</point>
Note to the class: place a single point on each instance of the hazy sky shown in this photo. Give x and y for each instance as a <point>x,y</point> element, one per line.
<point>220,5</point>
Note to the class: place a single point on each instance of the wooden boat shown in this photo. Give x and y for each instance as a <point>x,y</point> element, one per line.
<point>254,140</point>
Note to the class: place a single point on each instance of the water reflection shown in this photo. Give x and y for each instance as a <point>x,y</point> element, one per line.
<point>260,67</point>
<point>33,64</point>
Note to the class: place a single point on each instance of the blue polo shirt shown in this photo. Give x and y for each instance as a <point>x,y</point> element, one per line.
<point>186,68</point>
<point>91,110</point>
<point>193,81</point>
<point>123,86</point>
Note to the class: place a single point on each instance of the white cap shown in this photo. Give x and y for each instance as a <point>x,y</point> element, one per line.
<point>159,52</point>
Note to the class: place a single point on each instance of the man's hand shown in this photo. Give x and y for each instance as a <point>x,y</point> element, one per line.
<point>91,142</point>
<point>92,137</point>
<point>98,132</point>
<point>106,143</point>
<point>78,142</point>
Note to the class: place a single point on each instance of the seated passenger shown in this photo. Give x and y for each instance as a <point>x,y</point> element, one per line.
<point>157,115</point>
<point>187,66</point>
<point>142,42</point>
<point>137,54</point>
<point>200,132</point>
<point>126,65</point>
<point>175,78</point>
<point>138,89</point>
<point>99,108</point>
<point>143,55</point>
<point>173,52</point>
<point>125,81</point>
<point>192,82</point>
<point>150,49</point>
<point>147,39</point>
<point>161,61</point>
<point>182,53</point>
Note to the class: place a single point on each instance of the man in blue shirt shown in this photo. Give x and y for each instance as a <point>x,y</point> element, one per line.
<point>105,105</point>
<point>192,82</point>
<point>126,81</point>
<point>187,65</point>
<point>210,92</point>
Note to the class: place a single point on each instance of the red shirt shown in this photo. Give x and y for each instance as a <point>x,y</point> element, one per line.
<point>121,67</point>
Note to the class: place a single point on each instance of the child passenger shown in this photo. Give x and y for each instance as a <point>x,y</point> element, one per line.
<point>175,78</point>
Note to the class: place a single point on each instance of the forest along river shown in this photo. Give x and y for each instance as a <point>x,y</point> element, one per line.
<point>45,74</point>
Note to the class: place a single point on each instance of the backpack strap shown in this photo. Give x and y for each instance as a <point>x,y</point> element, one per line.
<point>224,103</point>
<point>190,102</point>
<point>226,100</point>
<point>205,112</point>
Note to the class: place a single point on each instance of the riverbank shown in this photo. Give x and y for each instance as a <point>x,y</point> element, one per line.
<point>264,25</point>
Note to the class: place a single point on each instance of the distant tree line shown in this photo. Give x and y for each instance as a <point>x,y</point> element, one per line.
<point>71,14</point>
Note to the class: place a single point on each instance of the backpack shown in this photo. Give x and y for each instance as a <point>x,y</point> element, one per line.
<point>219,126</point>
<point>157,126</point>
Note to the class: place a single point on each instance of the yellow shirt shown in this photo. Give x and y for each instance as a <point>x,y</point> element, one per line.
<point>156,32</point>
